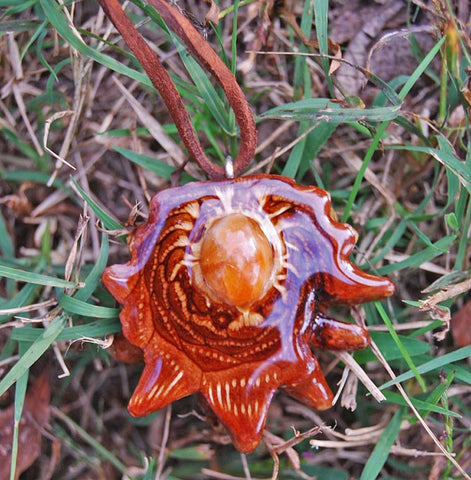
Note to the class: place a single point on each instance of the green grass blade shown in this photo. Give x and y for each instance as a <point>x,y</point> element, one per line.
<point>323,109</point>
<point>395,237</point>
<point>234,37</point>
<point>208,93</point>
<point>301,77</point>
<point>150,472</point>
<point>94,277</point>
<point>317,472</point>
<point>7,26</point>
<point>404,352</point>
<point>152,164</point>
<point>190,453</point>
<point>419,258</point>
<point>381,451</point>
<point>424,64</point>
<point>22,298</point>
<point>109,222</point>
<point>390,349</point>
<point>35,278</point>
<point>464,239</point>
<point>315,140</point>
<point>294,161</point>
<point>434,364</point>
<point>97,329</point>
<point>34,352</point>
<point>421,405</point>
<point>53,12</point>
<point>53,71</point>
<point>436,395</point>
<point>6,245</point>
<point>321,18</point>
<point>95,444</point>
<point>78,307</point>
<point>31,176</point>
<point>444,157</point>
<point>20,393</point>
<point>24,147</point>
<point>16,7</point>
<point>382,128</point>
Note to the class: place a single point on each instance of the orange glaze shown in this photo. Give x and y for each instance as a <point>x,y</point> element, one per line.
<point>226,292</point>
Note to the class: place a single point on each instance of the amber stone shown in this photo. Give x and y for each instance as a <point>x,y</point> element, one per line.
<point>236,260</point>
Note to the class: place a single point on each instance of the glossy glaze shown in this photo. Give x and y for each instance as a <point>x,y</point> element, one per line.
<point>237,348</point>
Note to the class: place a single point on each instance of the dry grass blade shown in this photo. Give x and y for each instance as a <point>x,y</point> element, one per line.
<point>49,121</point>
<point>28,308</point>
<point>154,127</point>
<point>434,438</point>
<point>361,375</point>
<point>222,476</point>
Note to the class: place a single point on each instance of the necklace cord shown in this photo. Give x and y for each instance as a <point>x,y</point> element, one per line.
<point>160,78</point>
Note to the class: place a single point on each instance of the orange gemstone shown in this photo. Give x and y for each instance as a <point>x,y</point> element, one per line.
<point>236,260</point>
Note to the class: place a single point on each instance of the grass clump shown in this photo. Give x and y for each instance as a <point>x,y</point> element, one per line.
<point>86,141</point>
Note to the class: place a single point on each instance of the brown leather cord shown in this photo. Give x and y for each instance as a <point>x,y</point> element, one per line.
<point>209,60</point>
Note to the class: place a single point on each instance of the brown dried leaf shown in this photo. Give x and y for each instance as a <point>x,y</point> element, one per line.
<point>335,64</point>
<point>19,203</point>
<point>438,465</point>
<point>35,415</point>
<point>461,325</point>
<point>359,24</point>
<point>213,13</point>
<point>124,351</point>
<point>438,312</point>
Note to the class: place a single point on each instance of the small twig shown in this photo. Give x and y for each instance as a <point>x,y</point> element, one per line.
<point>47,128</point>
<point>361,374</point>
<point>349,393</point>
<point>106,343</point>
<point>7,361</point>
<point>28,308</point>
<point>271,138</point>
<point>283,150</point>
<point>77,248</point>
<point>277,445</point>
<point>404,33</point>
<point>22,109</point>
<point>445,294</point>
<point>61,361</point>
<point>82,70</point>
<point>276,464</point>
<point>161,460</point>
<point>400,326</point>
<point>245,466</point>
<point>224,476</point>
